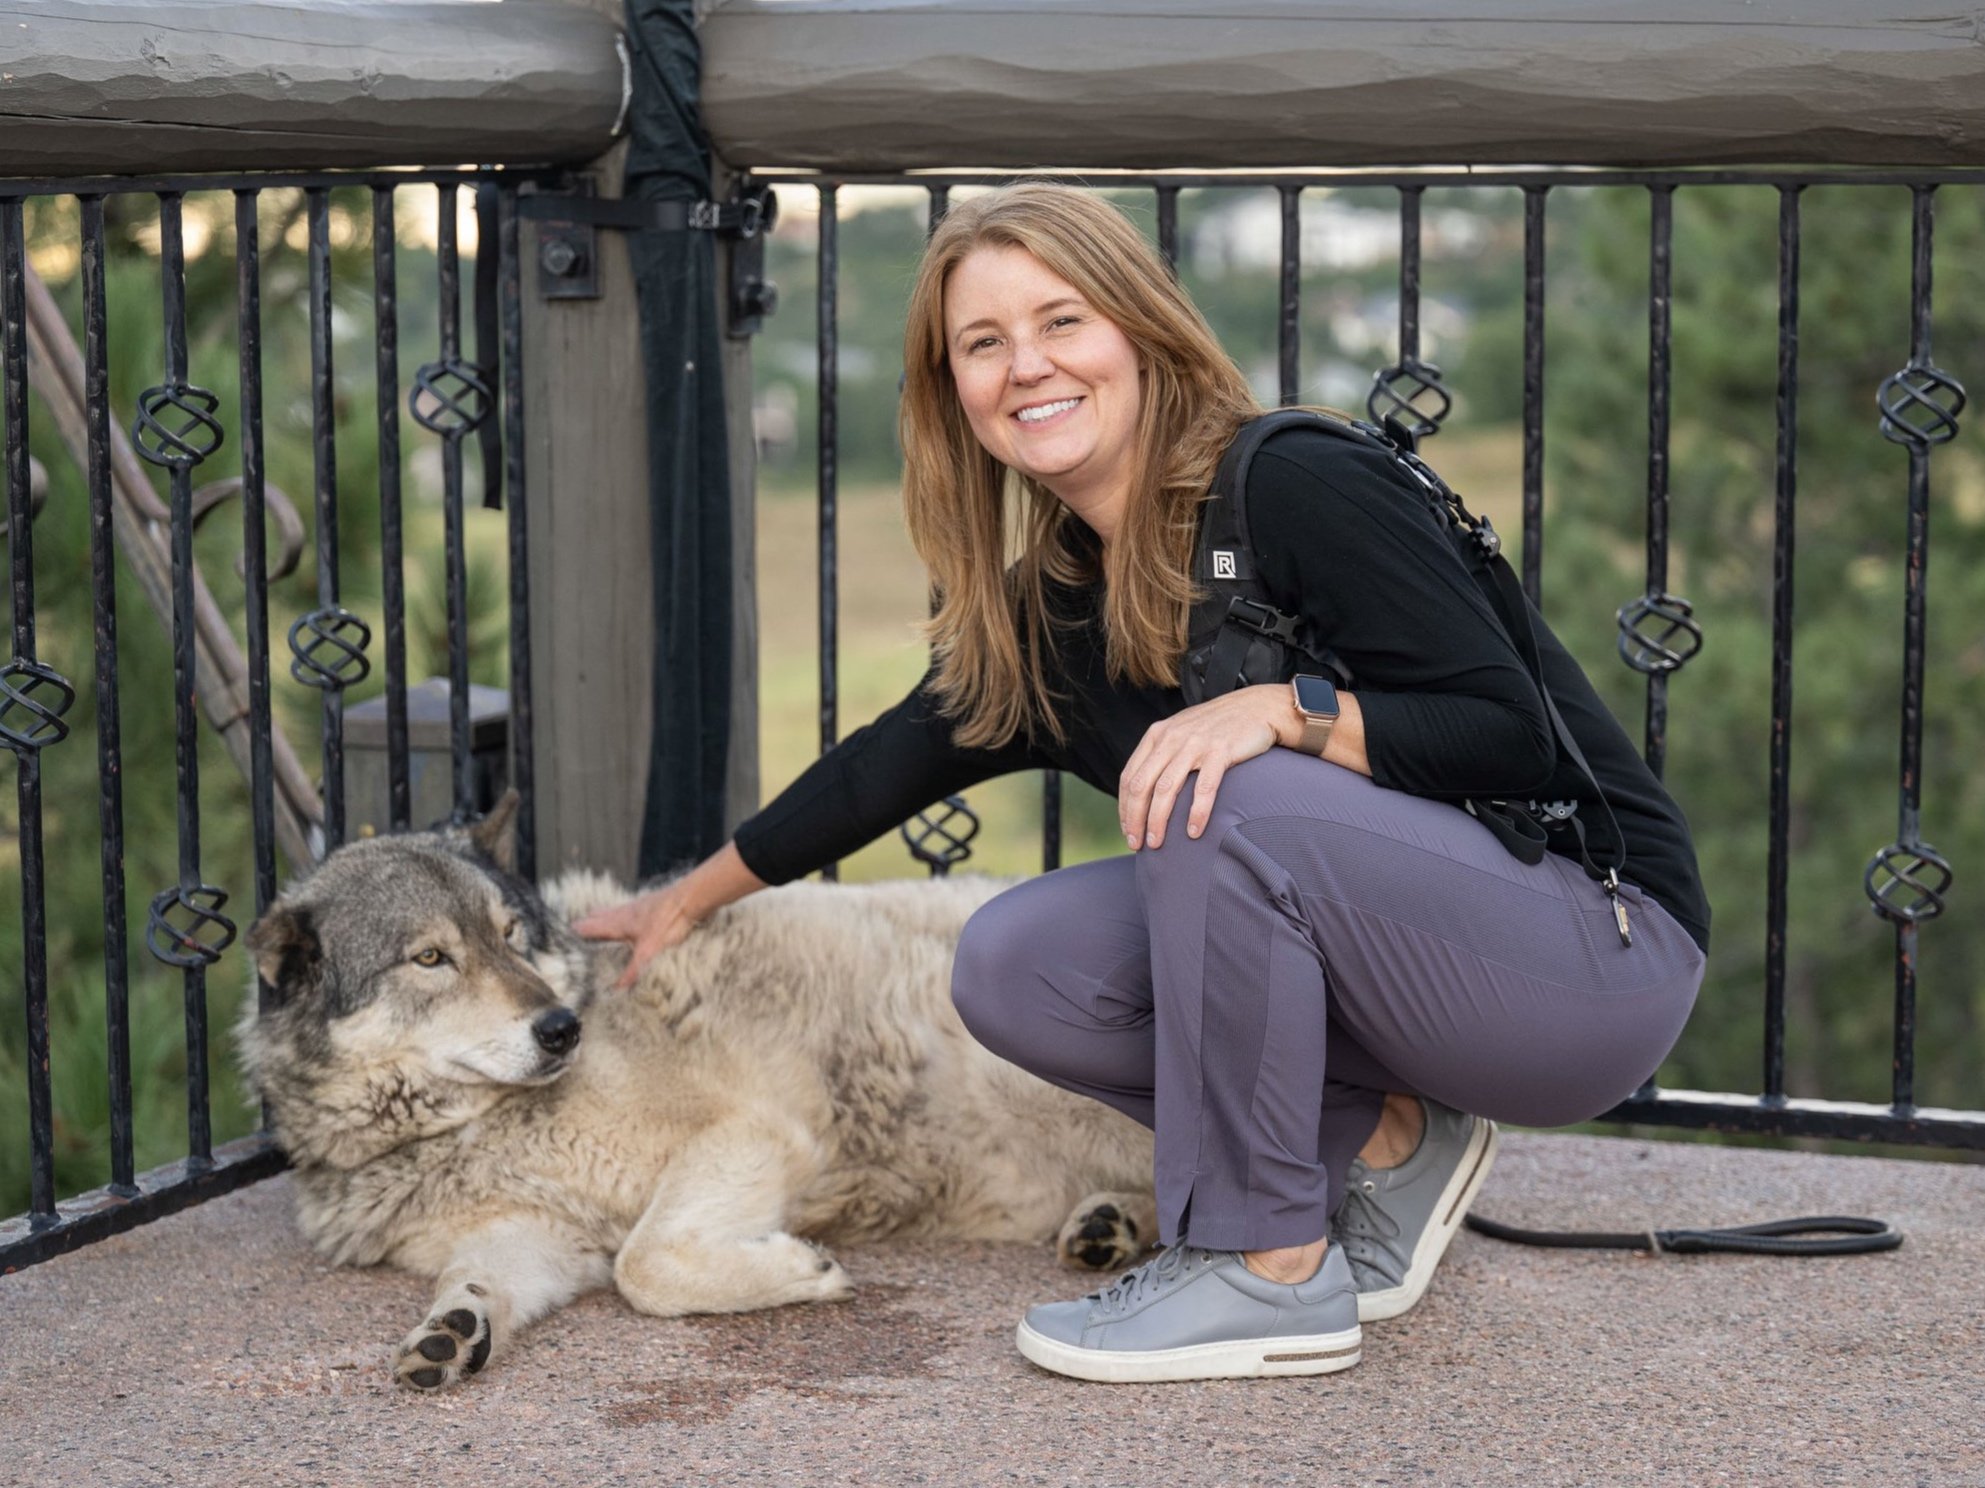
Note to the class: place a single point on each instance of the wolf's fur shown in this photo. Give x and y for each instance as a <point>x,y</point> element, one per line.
<point>793,1072</point>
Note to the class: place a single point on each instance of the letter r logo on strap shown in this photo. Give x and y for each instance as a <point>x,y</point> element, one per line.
<point>1223,564</point>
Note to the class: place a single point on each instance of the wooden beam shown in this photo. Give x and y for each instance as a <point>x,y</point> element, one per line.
<point>117,86</point>
<point>847,85</point>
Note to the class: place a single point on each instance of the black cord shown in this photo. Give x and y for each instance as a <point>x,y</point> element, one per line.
<point>1845,1235</point>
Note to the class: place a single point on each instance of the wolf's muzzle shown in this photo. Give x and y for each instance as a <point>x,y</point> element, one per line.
<point>556,1031</point>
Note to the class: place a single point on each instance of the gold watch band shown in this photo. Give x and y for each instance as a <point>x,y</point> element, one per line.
<point>1316,733</point>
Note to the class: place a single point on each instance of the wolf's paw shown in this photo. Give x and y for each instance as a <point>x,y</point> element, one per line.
<point>1106,1231</point>
<point>443,1349</point>
<point>815,1275</point>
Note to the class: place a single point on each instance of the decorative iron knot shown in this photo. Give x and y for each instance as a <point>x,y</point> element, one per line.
<point>1920,406</point>
<point>28,723</point>
<point>337,632</point>
<point>1652,652</point>
<point>1411,392</point>
<point>955,843</point>
<point>449,397</point>
<point>201,939</point>
<point>1912,868</point>
<point>192,437</point>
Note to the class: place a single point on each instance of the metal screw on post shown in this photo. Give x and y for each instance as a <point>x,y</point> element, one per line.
<point>561,258</point>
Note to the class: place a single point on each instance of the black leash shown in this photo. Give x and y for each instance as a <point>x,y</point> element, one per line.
<point>1844,1235</point>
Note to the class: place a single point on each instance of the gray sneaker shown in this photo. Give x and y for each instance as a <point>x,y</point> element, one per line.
<point>1395,1223</point>
<point>1200,1314</point>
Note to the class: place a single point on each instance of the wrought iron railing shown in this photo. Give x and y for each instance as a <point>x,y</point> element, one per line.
<point>1658,633</point>
<point>181,427</point>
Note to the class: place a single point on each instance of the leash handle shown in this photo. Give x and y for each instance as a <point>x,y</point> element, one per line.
<point>1812,1235</point>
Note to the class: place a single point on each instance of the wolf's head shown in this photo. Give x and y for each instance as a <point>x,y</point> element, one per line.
<point>417,982</point>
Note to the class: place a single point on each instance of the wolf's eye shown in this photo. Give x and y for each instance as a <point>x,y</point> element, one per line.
<point>430,957</point>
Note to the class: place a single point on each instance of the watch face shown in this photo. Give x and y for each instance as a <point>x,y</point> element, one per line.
<point>1315,695</point>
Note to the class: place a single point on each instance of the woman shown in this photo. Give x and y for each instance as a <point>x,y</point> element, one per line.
<point>1309,968</point>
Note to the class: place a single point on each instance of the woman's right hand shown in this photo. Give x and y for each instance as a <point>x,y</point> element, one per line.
<point>649,924</point>
<point>664,916</point>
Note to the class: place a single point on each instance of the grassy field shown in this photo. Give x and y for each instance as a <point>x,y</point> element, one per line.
<point>883,596</point>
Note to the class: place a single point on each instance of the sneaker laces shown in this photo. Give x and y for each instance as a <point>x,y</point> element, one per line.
<point>1362,1227</point>
<point>1134,1285</point>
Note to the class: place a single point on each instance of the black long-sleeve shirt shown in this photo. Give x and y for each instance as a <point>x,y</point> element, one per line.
<point>1450,710</point>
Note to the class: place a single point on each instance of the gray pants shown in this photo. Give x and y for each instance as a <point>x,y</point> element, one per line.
<point>1253,994</point>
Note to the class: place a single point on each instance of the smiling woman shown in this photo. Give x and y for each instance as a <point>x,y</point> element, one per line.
<point>1315,967</point>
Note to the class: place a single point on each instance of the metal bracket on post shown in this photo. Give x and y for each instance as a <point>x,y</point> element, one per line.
<point>568,258</point>
<point>752,295</point>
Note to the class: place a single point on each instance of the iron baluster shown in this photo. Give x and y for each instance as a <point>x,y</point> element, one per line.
<point>254,546</point>
<point>28,723</point>
<point>1907,880</point>
<point>451,399</point>
<point>1782,546</point>
<point>1288,319</point>
<point>489,432</point>
<point>110,765</point>
<point>944,840</point>
<point>1410,389</point>
<point>392,539</point>
<point>523,756</point>
<point>1533,393</point>
<point>327,645</point>
<point>195,942</point>
<point>1656,653</point>
<point>829,430</point>
<point>1168,225</point>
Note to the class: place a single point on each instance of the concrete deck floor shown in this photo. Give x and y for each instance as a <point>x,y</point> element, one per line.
<point>213,1348</point>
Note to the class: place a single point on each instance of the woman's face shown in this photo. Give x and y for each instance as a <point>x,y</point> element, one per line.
<point>1050,387</point>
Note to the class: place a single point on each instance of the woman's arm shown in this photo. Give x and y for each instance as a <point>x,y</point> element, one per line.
<point>1447,707</point>
<point>876,777</point>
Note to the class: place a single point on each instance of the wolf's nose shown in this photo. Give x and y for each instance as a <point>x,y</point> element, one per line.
<point>556,1031</point>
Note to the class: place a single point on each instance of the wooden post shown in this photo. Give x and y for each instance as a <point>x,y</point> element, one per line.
<point>592,634</point>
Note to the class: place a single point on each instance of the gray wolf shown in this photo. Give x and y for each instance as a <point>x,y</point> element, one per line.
<point>463,1095</point>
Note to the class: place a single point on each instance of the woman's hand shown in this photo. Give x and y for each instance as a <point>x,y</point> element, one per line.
<point>1210,738</point>
<point>664,917</point>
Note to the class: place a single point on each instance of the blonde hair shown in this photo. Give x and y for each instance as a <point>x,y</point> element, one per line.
<point>971,517</point>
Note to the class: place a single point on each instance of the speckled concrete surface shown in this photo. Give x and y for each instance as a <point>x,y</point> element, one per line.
<point>212,1348</point>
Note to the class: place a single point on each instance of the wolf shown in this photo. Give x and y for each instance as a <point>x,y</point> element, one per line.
<point>463,1094</point>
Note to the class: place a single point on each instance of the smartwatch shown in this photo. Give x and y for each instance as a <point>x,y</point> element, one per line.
<point>1317,706</point>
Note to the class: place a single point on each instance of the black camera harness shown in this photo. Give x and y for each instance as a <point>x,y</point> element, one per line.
<point>1237,637</point>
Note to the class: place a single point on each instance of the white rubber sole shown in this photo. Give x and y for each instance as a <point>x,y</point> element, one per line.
<point>1257,1358</point>
<point>1469,1175</point>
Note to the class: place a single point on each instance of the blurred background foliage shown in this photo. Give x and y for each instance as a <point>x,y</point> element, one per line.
<point>1851,510</point>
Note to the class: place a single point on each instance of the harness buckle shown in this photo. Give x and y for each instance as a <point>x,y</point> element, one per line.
<point>1262,619</point>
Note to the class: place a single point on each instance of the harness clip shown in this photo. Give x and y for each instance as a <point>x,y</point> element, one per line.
<point>1252,614</point>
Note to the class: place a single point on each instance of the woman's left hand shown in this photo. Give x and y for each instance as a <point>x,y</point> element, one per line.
<point>1209,738</point>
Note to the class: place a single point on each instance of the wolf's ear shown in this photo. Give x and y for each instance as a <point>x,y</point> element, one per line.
<point>286,951</point>
<point>496,834</point>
